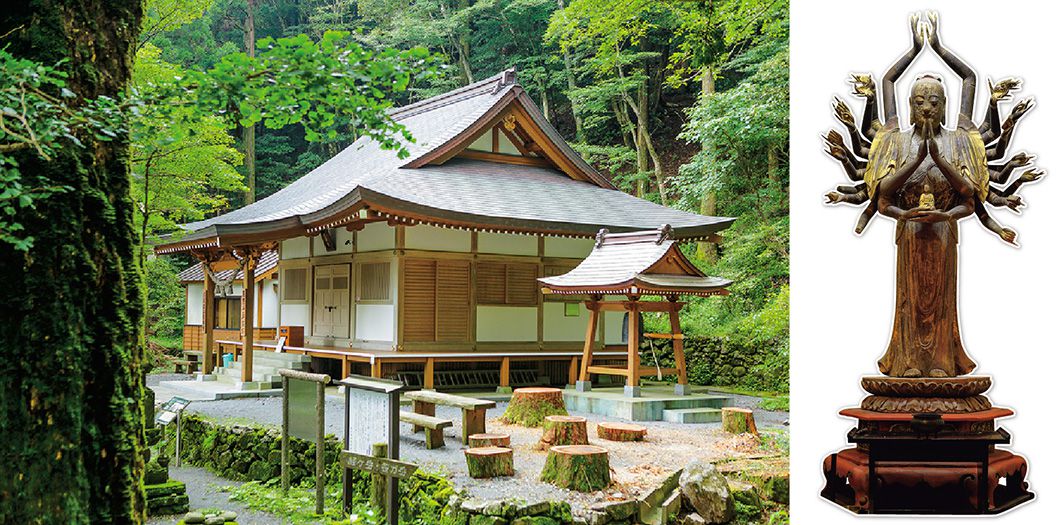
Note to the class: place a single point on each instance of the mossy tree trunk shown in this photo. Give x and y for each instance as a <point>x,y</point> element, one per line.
<point>563,430</point>
<point>71,387</point>
<point>621,431</point>
<point>738,420</point>
<point>489,440</point>
<point>489,462</point>
<point>529,406</point>
<point>584,468</point>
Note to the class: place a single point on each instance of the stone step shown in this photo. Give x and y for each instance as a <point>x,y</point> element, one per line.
<point>236,374</point>
<point>692,415</point>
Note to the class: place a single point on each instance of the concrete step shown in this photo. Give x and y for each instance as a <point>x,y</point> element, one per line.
<point>697,401</point>
<point>247,385</point>
<point>236,374</point>
<point>692,415</point>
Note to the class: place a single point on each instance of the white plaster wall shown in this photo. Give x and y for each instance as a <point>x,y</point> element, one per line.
<point>343,243</point>
<point>484,142</point>
<point>424,237</point>
<point>559,327</point>
<point>295,315</point>
<point>504,145</point>
<point>506,323</point>
<point>567,247</point>
<point>375,236</point>
<point>375,322</point>
<point>613,327</point>
<point>270,303</point>
<point>193,304</point>
<point>507,244</point>
<point>296,248</point>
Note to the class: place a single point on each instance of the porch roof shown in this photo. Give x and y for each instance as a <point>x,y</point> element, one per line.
<point>637,263</point>
<point>364,182</point>
<point>266,266</point>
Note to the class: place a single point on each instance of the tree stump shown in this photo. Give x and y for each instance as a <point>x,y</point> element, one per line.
<point>489,440</point>
<point>621,431</point>
<point>489,462</point>
<point>529,406</point>
<point>738,420</point>
<point>577,467</point>
<point>563,430</point>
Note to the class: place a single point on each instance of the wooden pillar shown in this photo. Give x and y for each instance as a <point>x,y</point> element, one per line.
<point>678,343</point>
<point>247,323</point>
<point>590,339</point>
<point>572,372</point>
<point>633,348</point>
<point>345,367</point>
<point>506,372</point>
<point>428,374</point>
<point>209,319</point>
<point>377,368</point>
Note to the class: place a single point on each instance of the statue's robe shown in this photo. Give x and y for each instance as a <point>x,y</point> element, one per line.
<point>926,334</point>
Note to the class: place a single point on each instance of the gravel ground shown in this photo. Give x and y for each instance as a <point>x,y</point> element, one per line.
<point>204,493</point>
<point>637,467</point>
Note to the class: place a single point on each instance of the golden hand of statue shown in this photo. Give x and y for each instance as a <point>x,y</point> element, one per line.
<point>864,86</point>
<point>832,197</point>
<point>1002,90</point>
<point>1021,159</point>
<point>842,112</point>
<point>1032,175</point>
<point>1018,112</point>
<point>1008,235</point>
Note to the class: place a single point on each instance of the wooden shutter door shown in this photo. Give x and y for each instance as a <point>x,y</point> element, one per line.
<point>418,300</point>
<point>454,301</point>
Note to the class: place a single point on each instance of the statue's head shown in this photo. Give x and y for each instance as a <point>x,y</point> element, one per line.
<point>927,102</point>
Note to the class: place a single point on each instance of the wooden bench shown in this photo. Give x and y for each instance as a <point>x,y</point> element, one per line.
<point>474,410</point>
<point>432,426</point>
<point>185,366</point>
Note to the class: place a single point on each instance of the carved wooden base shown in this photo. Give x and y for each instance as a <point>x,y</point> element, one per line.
<point>943,395</point>
<point>927,463</point>
<point>926,487</point>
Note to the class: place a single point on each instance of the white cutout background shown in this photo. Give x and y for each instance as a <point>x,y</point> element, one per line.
<point>843,285</point>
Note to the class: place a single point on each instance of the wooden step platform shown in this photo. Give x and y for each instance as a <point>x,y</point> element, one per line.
<point>432,425</point>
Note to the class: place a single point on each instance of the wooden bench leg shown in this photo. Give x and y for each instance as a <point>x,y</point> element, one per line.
<point>435,438</point>
<point>421,407</point>
<point>474,423</point>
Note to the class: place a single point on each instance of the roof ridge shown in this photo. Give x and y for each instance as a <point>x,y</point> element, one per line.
<point>490,85</point>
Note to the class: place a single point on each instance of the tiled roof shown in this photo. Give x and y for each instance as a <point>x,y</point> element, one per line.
<point>623,263</point>
<point>479,193</point>
<point>266,265</point>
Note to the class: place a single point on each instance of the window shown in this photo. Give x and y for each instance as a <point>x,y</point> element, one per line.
<point>373,281</point>
<point>500,283</point>
<point>294,284</point>
<point>436,296</point>
<point>572,309</point>
<point>227,311</point>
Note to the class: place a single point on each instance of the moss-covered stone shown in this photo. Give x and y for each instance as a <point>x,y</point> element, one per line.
<point>480,519</point>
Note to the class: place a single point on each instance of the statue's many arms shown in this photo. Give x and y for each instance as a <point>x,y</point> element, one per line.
<point>927,177</point>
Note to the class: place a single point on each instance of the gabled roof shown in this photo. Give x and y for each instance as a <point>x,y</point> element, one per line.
<point>364,182</point>
<point>637,263</point>
<point>266,265</point>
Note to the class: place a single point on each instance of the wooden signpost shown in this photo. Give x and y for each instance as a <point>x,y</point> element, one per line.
<point>372,439</point>
<point>303,422</point>
<point>172,410</point>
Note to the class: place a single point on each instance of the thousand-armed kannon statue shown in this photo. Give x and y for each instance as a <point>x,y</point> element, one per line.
<point>926,434</point>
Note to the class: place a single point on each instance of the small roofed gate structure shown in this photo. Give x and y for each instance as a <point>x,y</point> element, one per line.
<point>635,265</point>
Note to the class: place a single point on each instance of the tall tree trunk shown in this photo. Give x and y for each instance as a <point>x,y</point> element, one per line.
<point>463,47</point>
<point>544,103</point>
<point>71,389</point>
<point>708,251</point>
<point>772,163</point>
<point>568,72</point>
<point>649,146</point>
<point>249,161</point>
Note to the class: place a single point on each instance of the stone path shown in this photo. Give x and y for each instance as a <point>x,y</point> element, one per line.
<point>204,493</point>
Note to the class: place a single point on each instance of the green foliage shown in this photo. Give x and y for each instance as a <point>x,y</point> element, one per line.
<point>250,453</point>
<point>779,517</point>
<point>781,403</point>
<point>38,113</point>
<point>299,505</point>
